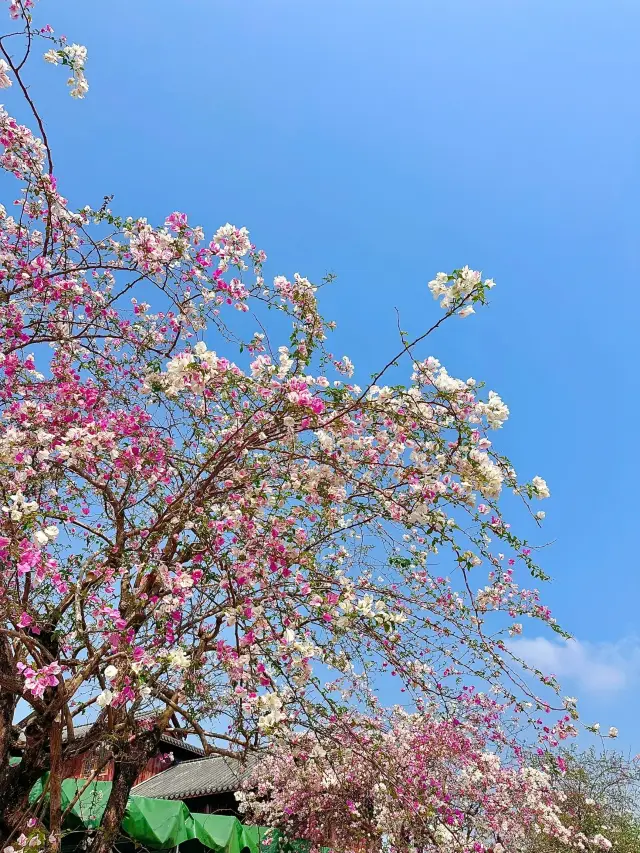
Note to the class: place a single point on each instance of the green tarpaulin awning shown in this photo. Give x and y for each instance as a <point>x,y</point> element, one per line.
<point>162,824</point>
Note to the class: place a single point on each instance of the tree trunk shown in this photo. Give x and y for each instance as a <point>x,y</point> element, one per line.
<point>127,765</point>
<point>55,784</point>
<point>16,781</point>
<point>8,702</point>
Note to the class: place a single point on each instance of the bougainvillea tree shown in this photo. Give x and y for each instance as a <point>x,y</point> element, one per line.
<point>204,517</point>
<point>419,781</point>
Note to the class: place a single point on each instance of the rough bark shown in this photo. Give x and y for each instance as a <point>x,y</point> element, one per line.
<point>8,701</point>
<point>129,761</point>
<point>55,783</point>
<point>17,780</point>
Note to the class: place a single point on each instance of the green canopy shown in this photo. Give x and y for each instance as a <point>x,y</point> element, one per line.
<point>163,824</point>
<point>222,833</point>
<point>158,823</point>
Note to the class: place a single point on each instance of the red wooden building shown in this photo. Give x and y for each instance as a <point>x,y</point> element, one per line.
<point>171,750</point>
<point>178,771</point>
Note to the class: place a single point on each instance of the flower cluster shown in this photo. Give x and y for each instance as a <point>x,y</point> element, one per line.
<point>458,290</point>
<point>5,80</point>
<point>36,681</point>
<point>18,8</point>
<point>74,56</point>
<point>33,839</point>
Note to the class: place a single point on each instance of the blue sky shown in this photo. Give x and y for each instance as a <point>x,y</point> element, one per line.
<point>385,141</point>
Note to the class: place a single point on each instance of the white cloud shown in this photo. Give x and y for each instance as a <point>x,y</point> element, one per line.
<point>596,667</point>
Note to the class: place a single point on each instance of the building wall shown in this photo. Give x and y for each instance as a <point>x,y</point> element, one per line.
<point>83,766</point>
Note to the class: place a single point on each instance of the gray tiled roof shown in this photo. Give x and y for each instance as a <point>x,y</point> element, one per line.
<point>82,730</point>
<point>214,775</point>
<point>182,744</point>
